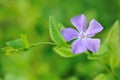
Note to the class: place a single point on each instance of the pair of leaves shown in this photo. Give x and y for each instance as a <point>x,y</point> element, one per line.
<point>61,48</point>
<point>17,45</point>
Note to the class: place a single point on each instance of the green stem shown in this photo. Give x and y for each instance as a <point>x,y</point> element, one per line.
<point>43,43</point>
<point>112,71</point>
<point>107,69</point>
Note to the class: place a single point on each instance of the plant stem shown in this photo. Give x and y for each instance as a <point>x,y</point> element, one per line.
<point>107,69</point>
<point>43,43</point>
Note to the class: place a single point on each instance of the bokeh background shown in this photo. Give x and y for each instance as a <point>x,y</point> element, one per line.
<point>32,18</point>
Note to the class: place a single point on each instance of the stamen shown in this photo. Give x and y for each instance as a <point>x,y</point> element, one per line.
<point>82,35</point>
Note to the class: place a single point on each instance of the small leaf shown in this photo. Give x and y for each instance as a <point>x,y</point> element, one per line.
<point>104,77</point>
<point>8,50</point>
<point>16,44</point>
<point>113,42</point>
<point>64,51</point>
<point>103,51</point>
<point>72,78</point>
<point>114,60</point>
<point>54,28</point>
<point>112,39</point>
<point>25,41</point>
<point>101,77</point>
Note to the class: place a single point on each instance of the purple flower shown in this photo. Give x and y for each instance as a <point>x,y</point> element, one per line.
<point>82,35</point>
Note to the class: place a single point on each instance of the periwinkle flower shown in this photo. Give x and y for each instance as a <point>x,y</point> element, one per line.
<point>82,35</point>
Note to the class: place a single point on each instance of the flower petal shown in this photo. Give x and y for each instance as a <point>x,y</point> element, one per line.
<point>93,28</point>
<point>78,46</point>
<point>79,22</point>
<point>92,44</point>
<point>69,34</point>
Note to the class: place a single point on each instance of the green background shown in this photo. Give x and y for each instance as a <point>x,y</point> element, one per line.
<point>32,18</point>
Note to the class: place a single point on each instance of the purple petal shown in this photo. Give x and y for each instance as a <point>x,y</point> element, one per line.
<point>92,44</point>
<point>79,22</point>
<point>93,28</point>
<point>78,46</point>
<point>69,34</point>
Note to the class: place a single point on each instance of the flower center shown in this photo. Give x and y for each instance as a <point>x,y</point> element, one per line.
<point>82,35</point>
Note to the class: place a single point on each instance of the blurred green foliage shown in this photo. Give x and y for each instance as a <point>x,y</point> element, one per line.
<point>42,63</point>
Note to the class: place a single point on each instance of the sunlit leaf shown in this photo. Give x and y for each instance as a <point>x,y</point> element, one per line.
<point>64,51</point>
<point>16,44</point>
<point>8,50</point>
<point>25,41</point>
<point>101,77</point>
<point>113,42</point>
<point>72,78</point>
<point>54,29</point>
<point>103,51</point>
<point>104,77</point>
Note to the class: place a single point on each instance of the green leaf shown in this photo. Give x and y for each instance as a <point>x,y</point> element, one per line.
<point>103,51</point>
<point>64,51</point>
<point>72,78</point>
<point>113,42</point>
<point>104,77</point>
<point>16,44</point>
<point>8,50</point>
<point>54,29</point>
<point>25,41</point>
<point>101,77</point>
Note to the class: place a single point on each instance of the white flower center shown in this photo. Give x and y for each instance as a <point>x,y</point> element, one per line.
<point>82,35</point>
